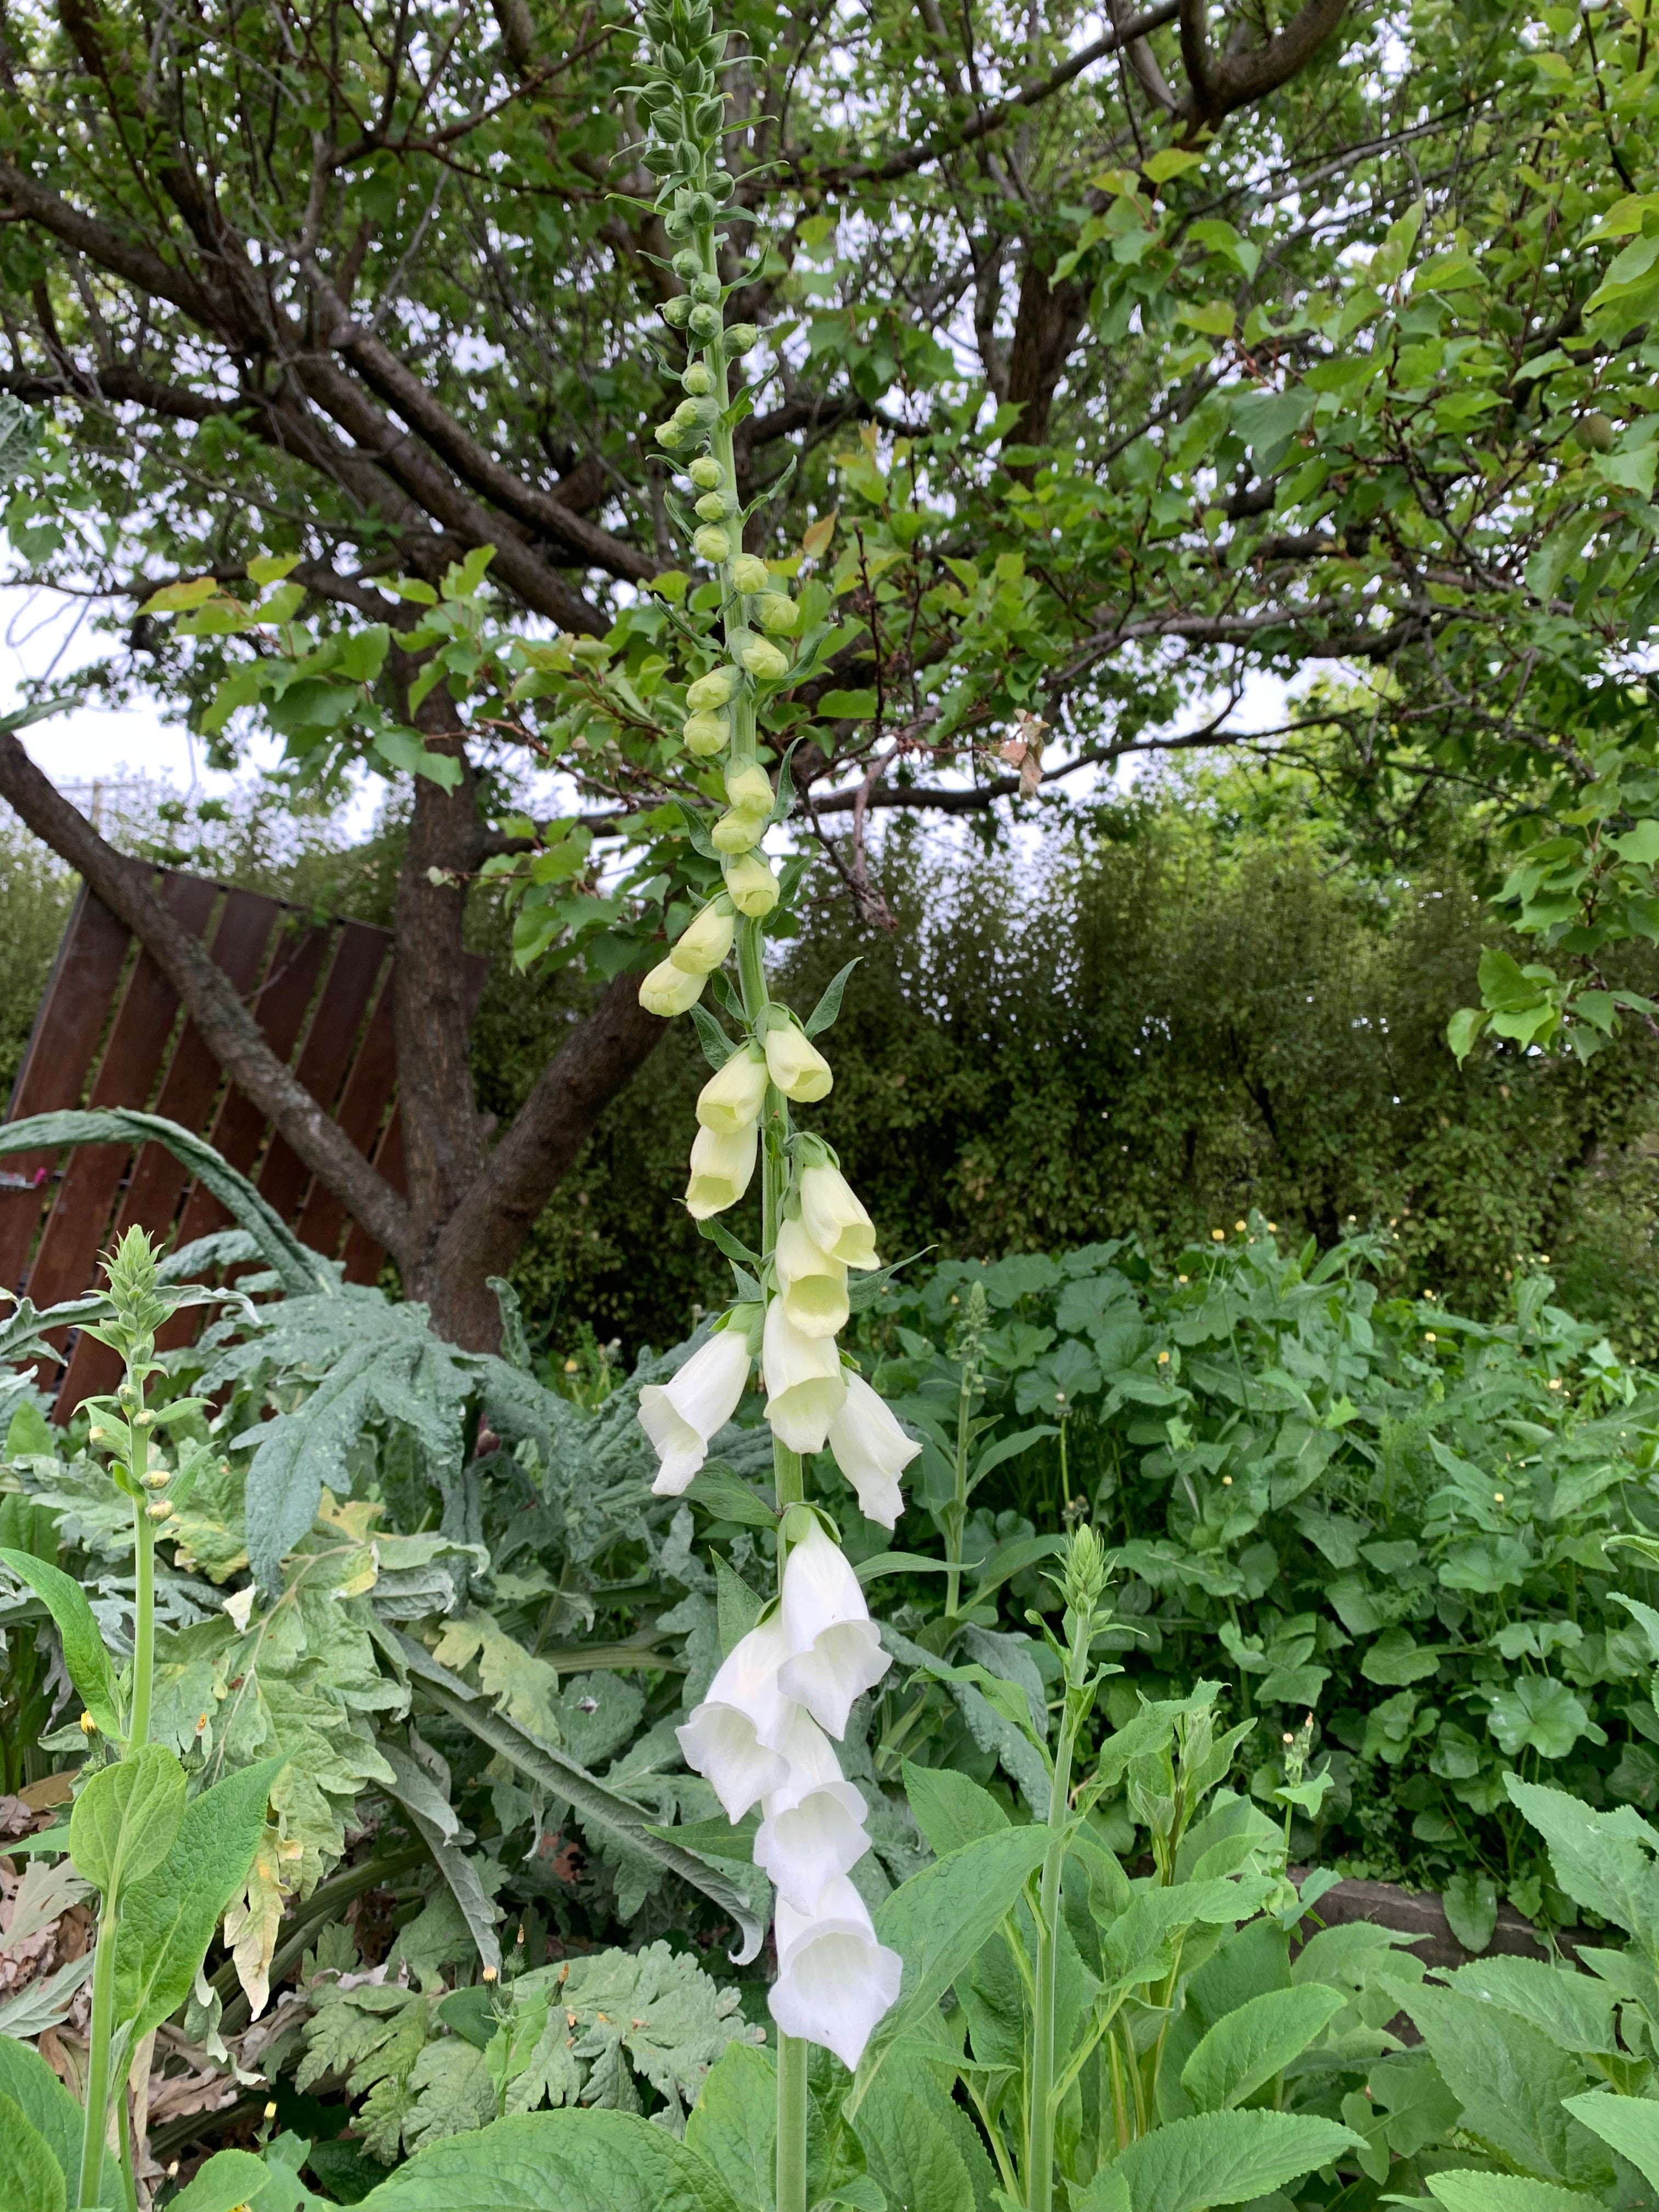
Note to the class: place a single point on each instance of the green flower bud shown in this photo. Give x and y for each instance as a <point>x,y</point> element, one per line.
<point>707,473</point>
<point>750,884</point>
<point>711,690</point>
<point>748,574</point>
<point>698,380</point>
<point>711,545</point>
<point>687,264</point>
<point>737,832</point>
<point>704,324</point>
<point>740,337</point>
<point>677,225</point>
<point>715,506</point>
<point>671,434</point>
<point>764,661</point>
<point>749,788</point>
<point>676,312</point>
<point>707,289</point>
<point>776,613</point>
<point>705,734</point>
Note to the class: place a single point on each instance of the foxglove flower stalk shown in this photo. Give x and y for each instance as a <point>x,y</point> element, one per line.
<point>835,1980</point>
<point>872,1451</point>
<point>681,1415</point>
<point>759,1734</point>
<point>835,1653</point>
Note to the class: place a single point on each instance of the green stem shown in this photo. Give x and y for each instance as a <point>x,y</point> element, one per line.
<point>956,1519</point>
<point>792,2123</point>
<point>1039,2164</point>
<point>95,2130</point>
<point>143,1640</point>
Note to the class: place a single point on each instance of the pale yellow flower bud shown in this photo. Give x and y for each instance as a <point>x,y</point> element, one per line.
<point>776,613</point>
<point>729,1102</point>
<point>750,574</point>
<point>750,885</point>
<point>668,990</point>
<point>705,942</point>
<point>721,1166</point>
<point>748,786</point>
<point>738,832</point>
<point>795,1064</point>
<point>812,1285</point>
<point>765,662</point>
<point>707,473</point>
<point>705,733</point>
<point>835,1220</point>
<point>711,543</point>
<point>711,690</point>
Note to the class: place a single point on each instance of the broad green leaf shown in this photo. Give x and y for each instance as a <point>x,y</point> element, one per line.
<point>1630,2124</point>
<point>1575,2010</point>
<point>1471,1903</point>
<point>939,1920</point>
<point>735,2127</point>
<point>36,2092</point>
<point>1139,1943</point>
<point>84,1654</point>
<point>31,2180</point>
<point>1512,2081</point>
<point>168,1919</point>
<point>1462,1031</point>
<point>1225,2158</point>
<point>562,2161</point>
<point>1505,2192</point>
<point>1248,2046</point>
<point>1538,1713</point>
<point>916,2152</point>
<point>1603,1860</point>
<point>125,1818</point>
<point>951,1810</point>
<point>228,2179</point>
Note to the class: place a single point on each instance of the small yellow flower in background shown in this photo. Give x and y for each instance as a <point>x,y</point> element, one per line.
<point>1219,1235</point>
<point>1240,1227</point>
<point>1498,1498</point>
<point>1428,1336</point>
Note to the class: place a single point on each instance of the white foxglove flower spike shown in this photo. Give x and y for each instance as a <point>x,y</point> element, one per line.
<point>834,1980</point>
<point>721,1166</point>
<point>804,1385</point>
<point>732,1099</point>
<point>735,1738</point>
<point>871,1450</point>
<point>833,1652</point>
<point>833,1219</point>
<point>681,1415</point>
<point>811,1285</point>
<point>813,1829</point>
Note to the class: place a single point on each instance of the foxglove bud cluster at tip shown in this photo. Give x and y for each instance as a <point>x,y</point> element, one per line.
<point>762,1737</point>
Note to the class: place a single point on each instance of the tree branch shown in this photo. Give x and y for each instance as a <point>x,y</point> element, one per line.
<point>209,998</point>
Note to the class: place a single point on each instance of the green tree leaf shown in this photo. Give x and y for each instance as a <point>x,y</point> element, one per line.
<point>1225,2158</point>
<point>126,1818</point>
<point>1248,2045</point>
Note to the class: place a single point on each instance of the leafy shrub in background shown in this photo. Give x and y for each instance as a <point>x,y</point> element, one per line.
<point>1381,1512</point>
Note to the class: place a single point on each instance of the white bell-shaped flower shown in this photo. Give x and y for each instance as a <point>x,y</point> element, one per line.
<point>834,1980</point>
<point>681,1415</point>
<point>871,1450</point>
<point>705,941</point>
<point>668,990</point>
<point>804,1385</point>
<point>797,1066</point>
<point>813,1829</point>
<point>833,1219</point>
<point>731,1098</point>
<point>721,1165</point>
<point>735,1738</point>
<point>834,1651</point>
<point>811,1285</point>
